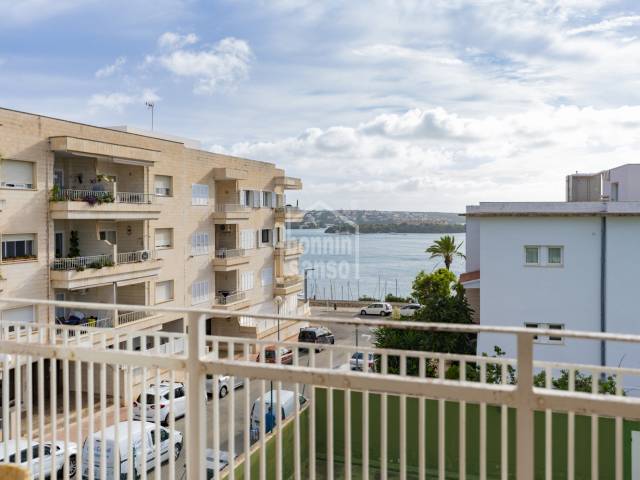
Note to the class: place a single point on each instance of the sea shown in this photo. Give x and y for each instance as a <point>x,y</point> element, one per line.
<point>346,267</point>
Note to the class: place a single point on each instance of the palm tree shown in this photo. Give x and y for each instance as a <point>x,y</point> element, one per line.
<point>446,248</point>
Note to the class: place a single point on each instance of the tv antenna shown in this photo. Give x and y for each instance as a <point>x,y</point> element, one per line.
<point>151,106</point>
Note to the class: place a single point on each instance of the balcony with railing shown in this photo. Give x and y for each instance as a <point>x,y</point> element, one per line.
<point>92,270</point>
<point>289,213</point>
<point>289,183</point>
<point>289,248</point>
<point>230,212</point>
<point>288,284</point>
<point>349,411</point>
<point>227,259</point>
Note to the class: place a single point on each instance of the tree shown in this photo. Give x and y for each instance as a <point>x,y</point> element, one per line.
<point>445,247</point>
<point>443,300</point>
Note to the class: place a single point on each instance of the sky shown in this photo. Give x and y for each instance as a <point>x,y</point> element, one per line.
<point>375,104</point>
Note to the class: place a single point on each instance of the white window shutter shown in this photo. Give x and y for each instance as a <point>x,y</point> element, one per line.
<point>242,198</point>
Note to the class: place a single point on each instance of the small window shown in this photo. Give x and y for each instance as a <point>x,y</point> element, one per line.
<point>110,236</point>
<point>200,243</point>
<point>163,185</point>
<point>543,339</point>
<point>265,236</point>
<point>18,247</point>
<point>266,199</point>
<point>553,338</point>
<point>164,291</point>
<point>532,255</point>
<point>16,174</point>
<point>199,292</point>
<point>554,255</point>
<point>164,237</point>
<point>199,194</point>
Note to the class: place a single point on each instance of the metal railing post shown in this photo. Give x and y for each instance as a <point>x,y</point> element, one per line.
<point>196,399</point>
<point>525,405</point>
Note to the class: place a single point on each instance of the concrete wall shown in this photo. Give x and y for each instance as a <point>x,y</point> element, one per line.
<point>472,244</point>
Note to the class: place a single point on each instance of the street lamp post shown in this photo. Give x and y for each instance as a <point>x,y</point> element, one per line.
<point>306,296</point>
<point>278,302</point>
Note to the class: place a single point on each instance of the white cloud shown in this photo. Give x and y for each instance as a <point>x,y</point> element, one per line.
<point>109,70</point>
<point>118,101</point>
<point>386,52</point>
<point>607,25</point>
<point>171,40</point>
<point>223,64</point>
<point>29,11</point>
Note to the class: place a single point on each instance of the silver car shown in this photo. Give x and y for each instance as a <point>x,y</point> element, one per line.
<point>48,450</point>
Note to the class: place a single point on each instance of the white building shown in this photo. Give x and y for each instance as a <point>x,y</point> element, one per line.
<point>565,265</point>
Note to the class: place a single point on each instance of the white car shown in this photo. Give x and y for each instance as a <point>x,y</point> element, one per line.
<point>49,450</point>
<point>224,384</point>
<point>357,361</point>
<point>164,393</point>
<point>410,309</point>
<point>223,459</point>
<point>382,309</point>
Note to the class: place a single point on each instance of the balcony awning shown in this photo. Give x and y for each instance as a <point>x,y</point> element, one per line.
<point>93,148</point>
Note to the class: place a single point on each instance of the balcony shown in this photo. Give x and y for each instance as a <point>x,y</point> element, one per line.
<point>91,271</point>
<point>395,414</point>
<point>289,284</point>
<point>289,214</point>
<point>231,301</point>
<point>227,259</point>
<point>231,213</point>
<point>289,183</point>
<point>289,248</point>
<point>95,149</point>
<point>71,204</point>
<point>228,173</point>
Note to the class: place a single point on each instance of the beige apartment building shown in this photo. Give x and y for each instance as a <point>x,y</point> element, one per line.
<point>115,216</point>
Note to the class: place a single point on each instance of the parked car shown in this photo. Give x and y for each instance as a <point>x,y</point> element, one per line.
<point>410,309</point>
<point>357,361</point>
<point>319,335</point>
<point>224,462</point>
<point>164,393</point>
<point>138,430</point>
<point>286,355</point>
<point>382,309</point>
<point>224,384</point>
<point>287,401</point>
<point>48,450</point>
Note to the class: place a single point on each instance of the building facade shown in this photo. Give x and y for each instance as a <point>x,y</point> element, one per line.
<point>110,215</point>
<point>560,265</point>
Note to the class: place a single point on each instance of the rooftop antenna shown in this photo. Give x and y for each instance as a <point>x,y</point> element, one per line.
<point>151,106</point>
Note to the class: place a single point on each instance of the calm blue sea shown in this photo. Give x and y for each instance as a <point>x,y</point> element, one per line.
<point>369,264</point>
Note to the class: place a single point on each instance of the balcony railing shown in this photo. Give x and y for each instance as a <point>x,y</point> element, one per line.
<point>229,298</point>
<point>289,209</point>
<point>231,208</point>
<point>92,196</point>
<point>289,281</point>
<point>350,411</point>
<point>99,261</point>
<point>128,317</point>
<point>230,252</point>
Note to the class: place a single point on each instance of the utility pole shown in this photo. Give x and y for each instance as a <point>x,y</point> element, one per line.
<point>151,106</point>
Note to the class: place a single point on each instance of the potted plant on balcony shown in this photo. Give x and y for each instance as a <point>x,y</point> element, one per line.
<point>74,244</point>
<point>56,194</point>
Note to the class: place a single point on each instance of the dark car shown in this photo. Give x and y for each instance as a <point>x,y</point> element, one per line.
<point>315,335</point>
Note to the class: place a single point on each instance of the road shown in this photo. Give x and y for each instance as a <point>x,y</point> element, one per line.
<point>344,335</point>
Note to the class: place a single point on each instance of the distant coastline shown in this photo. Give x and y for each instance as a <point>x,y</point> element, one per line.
<point>396,228</point>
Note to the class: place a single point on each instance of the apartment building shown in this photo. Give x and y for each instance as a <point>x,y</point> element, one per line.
<point>560,265</point>
<point>114,215</point>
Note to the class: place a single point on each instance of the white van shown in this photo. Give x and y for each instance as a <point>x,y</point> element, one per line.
<point>287,399</point>
<point>138,429</point>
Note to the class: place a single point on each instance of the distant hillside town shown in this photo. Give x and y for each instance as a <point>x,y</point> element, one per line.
<point>377,221</point>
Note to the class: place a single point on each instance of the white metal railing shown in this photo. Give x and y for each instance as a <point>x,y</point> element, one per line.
<point>99,261</point>
<point>230,252</point>
<point>228,298</point>
<point>134,197</point>
<point>84,195</point>
<point>138,256</point>
<point>231,208</point>
<point>288,209</point>
<point>82,263</point>
<point>481,417</point>
<point>128,317</point>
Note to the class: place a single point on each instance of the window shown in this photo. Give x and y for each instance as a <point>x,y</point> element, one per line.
<point>265,236</point>
<point>164,237</point>
<point>199,194</point>
<point>554,255</point>
<point>266,276</point>
<point>268,199</point>
<point>247,239</point>
<point>109,236</point>
<point>246,281</point>
<point>200,243</point>
<point>16,174</point>
<point>251,198</point>
<point>18,247</point>
<point>544,339</point>
<point>164,291</point>
<point>199,292</point>
<point>163,185</point>
<point>532,255</point>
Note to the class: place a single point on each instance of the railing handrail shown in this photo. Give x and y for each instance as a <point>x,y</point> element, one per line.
<point>136,256</point>
<point>230,252</point>
<point>231,208</point>
<point>107,259</point>
<point>134,197</point>
<point>230,298</point>
<point>128,317</point>
<point>74,194</point>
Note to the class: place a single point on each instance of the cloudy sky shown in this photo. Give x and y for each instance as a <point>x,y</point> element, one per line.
<point>406,104</point>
